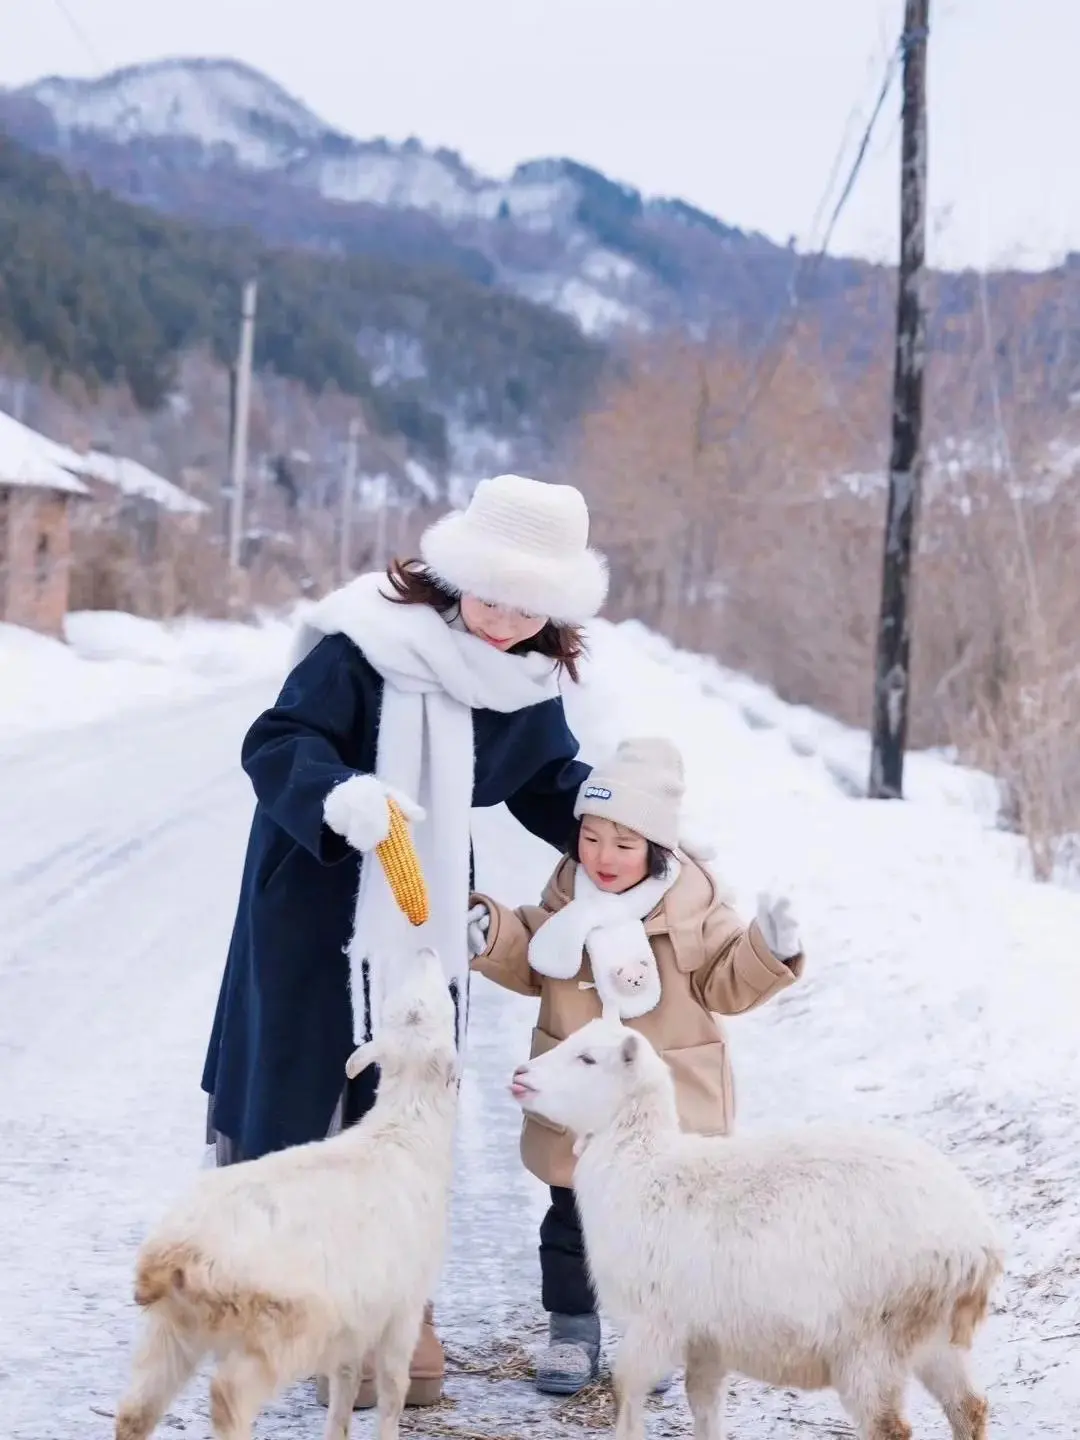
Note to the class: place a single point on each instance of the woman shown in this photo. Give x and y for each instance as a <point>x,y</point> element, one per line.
<point>436,684</point>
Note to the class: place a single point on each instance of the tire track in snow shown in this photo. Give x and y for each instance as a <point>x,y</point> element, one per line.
<point>120,787</point>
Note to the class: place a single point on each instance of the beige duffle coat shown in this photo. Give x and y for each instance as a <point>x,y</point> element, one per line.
<point>710,964</point>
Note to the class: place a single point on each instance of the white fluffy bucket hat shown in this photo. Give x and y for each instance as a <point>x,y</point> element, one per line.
<point>521,543</point>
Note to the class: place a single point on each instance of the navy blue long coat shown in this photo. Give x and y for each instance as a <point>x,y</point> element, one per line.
<point>283,1027</point>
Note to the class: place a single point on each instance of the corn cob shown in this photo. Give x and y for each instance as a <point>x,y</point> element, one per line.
<point>398,857</point>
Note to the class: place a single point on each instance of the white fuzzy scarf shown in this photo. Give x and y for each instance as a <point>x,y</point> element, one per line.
<point>434,678</point>
<point>609,928</point>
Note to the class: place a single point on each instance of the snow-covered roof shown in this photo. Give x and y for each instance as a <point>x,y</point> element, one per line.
<point>131,478</point>
<point>29,459</point>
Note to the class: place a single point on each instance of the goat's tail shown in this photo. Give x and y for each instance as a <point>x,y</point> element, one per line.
<point>164,1271</point>
<point>972,1304</point>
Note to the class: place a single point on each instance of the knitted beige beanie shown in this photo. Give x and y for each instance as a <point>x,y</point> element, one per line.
<point>641,787</point>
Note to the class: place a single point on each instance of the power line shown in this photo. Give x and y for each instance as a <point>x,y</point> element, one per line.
<point>774,348</point>
<point>80,34</point>
<point>864,145</point>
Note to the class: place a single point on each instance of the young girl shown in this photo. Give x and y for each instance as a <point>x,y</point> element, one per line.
<point>629,923</point>
<point>436,684</point>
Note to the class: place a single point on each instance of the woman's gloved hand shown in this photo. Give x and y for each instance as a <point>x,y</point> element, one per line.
<point>357,811</point>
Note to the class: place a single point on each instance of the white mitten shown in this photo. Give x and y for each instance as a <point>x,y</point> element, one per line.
<point>778,925</point>
<point>357,811</point>
<point>479,922</point>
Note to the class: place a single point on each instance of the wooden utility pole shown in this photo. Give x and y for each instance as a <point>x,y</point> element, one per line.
<point>348,499</point>
<point>238,466</point>
<point>892,679</point>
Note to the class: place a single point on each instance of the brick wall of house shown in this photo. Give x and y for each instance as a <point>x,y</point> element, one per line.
<point>35,558</point>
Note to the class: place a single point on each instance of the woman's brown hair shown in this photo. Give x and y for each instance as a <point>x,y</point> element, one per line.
<point>414,584</point>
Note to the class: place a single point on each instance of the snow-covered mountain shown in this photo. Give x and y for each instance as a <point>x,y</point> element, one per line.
<point>437,253</point>
<point>227,109</point>
<point>169,133</point>
<point>220,105</point>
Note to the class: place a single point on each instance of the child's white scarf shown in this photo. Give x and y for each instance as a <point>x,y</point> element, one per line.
<point>434,677</point>
<point>609,929</point>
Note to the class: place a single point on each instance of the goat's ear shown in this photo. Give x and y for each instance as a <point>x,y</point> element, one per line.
<point>361,1058</point>
<point>628,1051</point>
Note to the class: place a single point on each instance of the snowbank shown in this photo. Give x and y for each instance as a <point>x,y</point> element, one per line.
<point>930,776</point>
<point>813,753</point>
<point>114,663</point>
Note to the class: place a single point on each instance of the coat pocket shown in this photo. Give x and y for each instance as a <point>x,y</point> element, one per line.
<point>542,1042</point>
<point>273,862</point>
<point>704,1089</point>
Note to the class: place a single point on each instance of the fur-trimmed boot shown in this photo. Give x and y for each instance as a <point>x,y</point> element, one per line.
<point>572,1358</point>
<point>427,1372</point>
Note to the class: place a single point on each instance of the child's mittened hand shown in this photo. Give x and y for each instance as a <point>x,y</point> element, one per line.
<point>479,923</point>
<point>778,925</point>
<point>357,810</point>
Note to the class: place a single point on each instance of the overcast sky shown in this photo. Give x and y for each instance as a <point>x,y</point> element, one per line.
<point>741,109</point>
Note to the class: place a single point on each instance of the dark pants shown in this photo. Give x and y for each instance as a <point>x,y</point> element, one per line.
<point>565,1285</point>
<point>359,1096</point>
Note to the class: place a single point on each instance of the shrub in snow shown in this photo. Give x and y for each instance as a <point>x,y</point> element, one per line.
<point>305,1261</point>
<point>849,1258</point>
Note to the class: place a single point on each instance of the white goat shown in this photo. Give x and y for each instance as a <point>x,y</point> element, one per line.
<point>850,1258</point>
<point>308,1259</point>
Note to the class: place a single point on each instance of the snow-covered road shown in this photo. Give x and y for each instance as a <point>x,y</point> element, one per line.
<point>120,847</point>
<point>942,994</point>
<point>118,842</point>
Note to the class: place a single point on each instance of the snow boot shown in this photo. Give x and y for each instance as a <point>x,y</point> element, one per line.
<point>572,1358</point>
<point>426,1373</point>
